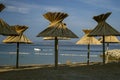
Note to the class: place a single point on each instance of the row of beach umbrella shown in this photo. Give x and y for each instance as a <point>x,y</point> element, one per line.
<point>57,30</point>
<point>87,40</point>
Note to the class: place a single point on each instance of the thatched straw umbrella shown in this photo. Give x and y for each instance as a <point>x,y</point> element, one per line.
<point>56,29</point>
<point>5,29</point>
<point>87,40</point>
<point>103,29</point>
<point>18,39</point>
<point>109,39</point>
<point>1,7</point>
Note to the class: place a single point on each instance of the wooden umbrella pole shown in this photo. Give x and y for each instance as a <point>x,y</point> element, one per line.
<point>103,49</point>
<point>56,52</point>
<point>17,56</point>
<point>88,54</point>
<point>107,53</point>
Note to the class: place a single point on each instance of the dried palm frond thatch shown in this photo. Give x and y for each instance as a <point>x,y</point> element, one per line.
<point>110,39</point>
<point>57,30</point>
<point>5,29</point>
<point>59,38</point>
<point>1,7</point>
<point>88,39</point>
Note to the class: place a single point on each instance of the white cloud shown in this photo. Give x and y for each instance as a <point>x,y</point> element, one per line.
<point>105,4</point>
<point>24,8</point>
<point>51,8</point>
<point>17,9</point>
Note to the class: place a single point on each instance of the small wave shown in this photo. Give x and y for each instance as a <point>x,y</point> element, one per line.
<point>19,53</point>
<point>78,55</point>
<point>44,53</point>
<point>47,49</point>
<point>81,50</point>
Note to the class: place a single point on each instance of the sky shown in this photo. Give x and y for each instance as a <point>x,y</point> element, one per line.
<point>81,12</point>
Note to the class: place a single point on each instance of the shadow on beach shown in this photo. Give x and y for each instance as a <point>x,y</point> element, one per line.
<point>78,71</point>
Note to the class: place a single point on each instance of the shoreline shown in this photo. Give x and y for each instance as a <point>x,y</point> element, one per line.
<point>79,71</point>
<point>34,66</point>
<point>29,66</point>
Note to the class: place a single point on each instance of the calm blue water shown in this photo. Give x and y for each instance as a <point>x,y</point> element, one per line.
<point>71,52</point>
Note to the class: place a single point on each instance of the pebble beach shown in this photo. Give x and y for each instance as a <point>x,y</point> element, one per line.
<point>78,71</point>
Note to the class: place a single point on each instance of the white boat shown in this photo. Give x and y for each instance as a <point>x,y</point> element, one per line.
<point>37,49</point>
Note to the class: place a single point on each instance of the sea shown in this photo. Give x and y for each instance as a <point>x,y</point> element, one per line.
<point>43,53</point>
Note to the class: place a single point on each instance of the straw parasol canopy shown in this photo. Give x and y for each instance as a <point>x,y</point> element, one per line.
<point>53,38</point>
<point>1,7</point>
<point>18,39</point>
<point>56,29</point>
<point>87,40</point>
<point>110,39</point>
<point>5,29</point>
<point>103,29</point>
